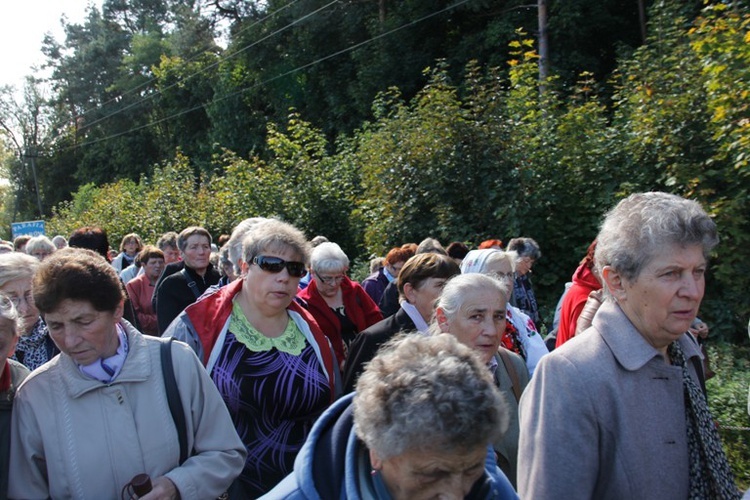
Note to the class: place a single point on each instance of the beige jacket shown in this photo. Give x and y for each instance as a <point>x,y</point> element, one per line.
<point>75,437</point>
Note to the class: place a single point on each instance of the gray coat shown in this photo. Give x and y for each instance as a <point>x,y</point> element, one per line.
<point>507,446</point>
<point>604,417</point>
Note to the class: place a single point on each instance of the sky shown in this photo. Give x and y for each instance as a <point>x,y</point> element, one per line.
<point>23,24</point>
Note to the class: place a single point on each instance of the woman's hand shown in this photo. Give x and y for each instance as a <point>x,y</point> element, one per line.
<point>163,489</point>
<point>699,330</point>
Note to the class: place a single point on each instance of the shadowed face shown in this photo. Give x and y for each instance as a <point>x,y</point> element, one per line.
<point>421,475</point>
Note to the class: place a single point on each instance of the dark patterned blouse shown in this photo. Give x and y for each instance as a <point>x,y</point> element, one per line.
<point>275,389</point>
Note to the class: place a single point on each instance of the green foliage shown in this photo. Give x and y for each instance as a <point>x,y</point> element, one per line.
<point>728,401</point>
<point>476,151</point>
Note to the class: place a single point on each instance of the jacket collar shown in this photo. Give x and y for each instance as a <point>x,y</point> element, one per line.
<point>628,346</point>
<point>137,367</point>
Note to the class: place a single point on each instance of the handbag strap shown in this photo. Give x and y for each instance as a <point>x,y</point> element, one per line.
<point>173,397</point>
<point>508,363</point>
<point>192,285</point>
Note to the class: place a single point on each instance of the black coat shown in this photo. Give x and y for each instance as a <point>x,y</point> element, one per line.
<point>365,345</point>
<point>173,295</point>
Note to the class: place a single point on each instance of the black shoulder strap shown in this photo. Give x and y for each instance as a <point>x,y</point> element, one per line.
<point>191,284</point>
<point>173,397</point>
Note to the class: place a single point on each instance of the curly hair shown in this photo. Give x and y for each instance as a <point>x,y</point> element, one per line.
<point>427,393</point>
<point>275,235</point>
<point>642,225</point>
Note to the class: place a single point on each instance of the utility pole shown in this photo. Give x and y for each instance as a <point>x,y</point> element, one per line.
<point>543,44</point>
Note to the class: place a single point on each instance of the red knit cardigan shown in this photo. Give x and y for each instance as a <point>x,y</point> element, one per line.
<point>358,306</point>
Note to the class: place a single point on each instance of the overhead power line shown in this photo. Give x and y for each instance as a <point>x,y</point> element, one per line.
<point>277,77</point>
<point>222,58</point>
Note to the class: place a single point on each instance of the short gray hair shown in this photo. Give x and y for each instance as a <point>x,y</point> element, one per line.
<point>427,393</point>
<point>9,313</point>
<point>234,244</point>
<point>15,266</point>
<point>274,235</point>
<point>457,289</point>
<point>59,241</point>
<point>643,224</point>
<point>328,257</point>
<point>39,243</point>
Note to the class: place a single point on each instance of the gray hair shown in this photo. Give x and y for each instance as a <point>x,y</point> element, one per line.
<point>427,393</point>
<point>168,239</point>
<point>643,224</point>
<point>525,247</point>
<point>328,257</point>
<point>234,243</point>
<point>15,266</point>
<point>431,245</point>
<point>9,313</point>
<point>39,243</point>
<point>275,236</point>
<point>59,241</point>
<point>457,289</point>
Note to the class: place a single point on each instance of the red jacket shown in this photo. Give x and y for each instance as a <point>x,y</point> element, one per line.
<point>209,315</point>
<point>584,282</point>
<point>358,305</point>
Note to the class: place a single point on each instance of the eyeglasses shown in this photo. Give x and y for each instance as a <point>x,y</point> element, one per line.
<point>276,265</point>
<point>16,299</point>
<point>331,280</point>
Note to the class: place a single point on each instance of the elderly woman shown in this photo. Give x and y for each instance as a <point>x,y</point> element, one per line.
<point>12,373</point>
<point>35,347</point>
<point>141,288</point>
<point>341,306</point>
<point>129,247</point>
<point>418,427</point>
<point>420,283</point>
<point>97,415</point>
<point>527,253</point>
<point>40,247</point>
<point>624,398</point>
<point>520,334</point>
<point>472,308</point>
<point>273,366</point>
<point>183,287</point>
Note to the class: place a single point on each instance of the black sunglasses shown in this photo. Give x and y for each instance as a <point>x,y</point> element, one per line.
<point>276,265</point>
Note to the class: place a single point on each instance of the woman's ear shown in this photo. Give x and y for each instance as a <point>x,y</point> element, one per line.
<point>119,311</point>
<point>442,320</point>
<point>375,461</point>
<point>243,267</point>
<point>615,282</point>
<point>410,293</point>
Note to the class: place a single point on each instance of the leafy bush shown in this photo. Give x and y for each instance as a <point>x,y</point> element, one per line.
<point>728,399</point>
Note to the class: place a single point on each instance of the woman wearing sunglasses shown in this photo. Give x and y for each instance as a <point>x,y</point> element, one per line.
<point>341,306</point>
<point>260,348</point>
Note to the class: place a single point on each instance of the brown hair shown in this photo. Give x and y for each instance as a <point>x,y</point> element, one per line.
<point>149,252</point>
<point>76,274</point>
<point>423,266</point>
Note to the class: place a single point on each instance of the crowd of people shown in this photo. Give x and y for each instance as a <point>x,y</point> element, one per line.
<point>257,367</point>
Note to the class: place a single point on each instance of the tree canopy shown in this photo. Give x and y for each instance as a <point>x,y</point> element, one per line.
<point>377,123</point>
